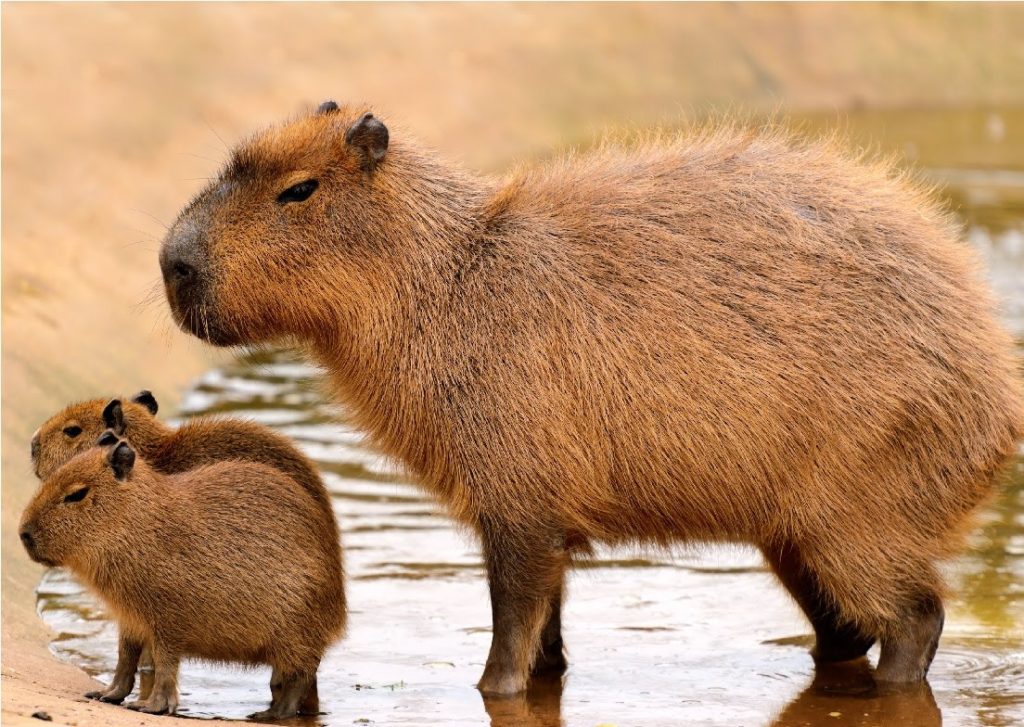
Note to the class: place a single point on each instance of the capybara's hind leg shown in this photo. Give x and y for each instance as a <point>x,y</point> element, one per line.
<point>128,651</point>
<point>836,638</point>
<point>524,571</point>
<point>551,659</point>
<point>164,697</point>
<point>296,686</point>
<point>908,649</point>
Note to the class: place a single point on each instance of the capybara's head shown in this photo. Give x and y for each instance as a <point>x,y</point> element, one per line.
<point>285,232</point>
<point>77,427</point>
<point>75,508</point>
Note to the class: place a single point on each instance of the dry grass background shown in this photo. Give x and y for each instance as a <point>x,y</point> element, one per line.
<point>111,116</point>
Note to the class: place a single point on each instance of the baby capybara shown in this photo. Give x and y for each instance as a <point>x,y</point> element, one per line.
<point>718,336</point>
<point>231,561</point>
<point>199,441</point>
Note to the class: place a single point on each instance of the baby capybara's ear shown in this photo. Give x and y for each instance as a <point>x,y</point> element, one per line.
<point>146,398</point>
<point>369,137</point>
<point>122,459</point>
<point>327,107</point>
<point>113,416</point>
<point>106,439</point>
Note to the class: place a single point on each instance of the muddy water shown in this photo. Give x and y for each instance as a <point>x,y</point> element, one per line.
<point>703,637</point>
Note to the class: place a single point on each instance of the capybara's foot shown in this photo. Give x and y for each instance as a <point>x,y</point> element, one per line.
<point>551,660</point>
<point>156,704</point>
<point>908,651</point>
<point>297,695</point>
<point>840,644</point>
<point>114,694</point>
<point>497,683</point>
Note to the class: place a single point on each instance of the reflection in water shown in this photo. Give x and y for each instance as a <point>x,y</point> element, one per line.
<point>540,706</point>
<point>846,694</point>
<point>700,638</point>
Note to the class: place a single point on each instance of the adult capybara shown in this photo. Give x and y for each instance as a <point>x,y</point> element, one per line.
<point>720,336</point>
<point>231,561</point>
<point>199,441</point>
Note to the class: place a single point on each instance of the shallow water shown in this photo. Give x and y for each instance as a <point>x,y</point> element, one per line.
<point>699,638</point>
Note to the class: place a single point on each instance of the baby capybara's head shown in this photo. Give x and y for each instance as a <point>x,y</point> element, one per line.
<point>75,508</point>
<point>77,427</point>
<point>266,247</point>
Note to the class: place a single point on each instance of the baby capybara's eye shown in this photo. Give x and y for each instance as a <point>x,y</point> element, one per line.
<point>72,431</point>
<point>298,192</point>
<point>77,496</point>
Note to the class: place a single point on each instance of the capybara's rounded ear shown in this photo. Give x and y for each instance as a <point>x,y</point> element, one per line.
<point>113,416</point>
<point>146,398</point>
<point>107,438</point>
<point>327,107</point>
<point>122,459</point>
<point>369,137</point>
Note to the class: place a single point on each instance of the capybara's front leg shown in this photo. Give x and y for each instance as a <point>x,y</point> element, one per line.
<point>524,571</point>
<point>128,651</point>
<point>164,696</point>
<point>836,638</point>
<point>908,650</point>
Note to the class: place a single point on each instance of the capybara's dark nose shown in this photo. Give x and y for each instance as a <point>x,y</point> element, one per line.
<point>26,539</point>
<point>35,447</point>
<point>181,263</point>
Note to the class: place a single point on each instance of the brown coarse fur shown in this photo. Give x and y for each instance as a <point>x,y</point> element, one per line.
<point>198,441</point>
<point>230,561</point>
<point>724,335</point>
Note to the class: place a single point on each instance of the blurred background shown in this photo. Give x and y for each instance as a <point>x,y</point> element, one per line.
<point>114,115</point>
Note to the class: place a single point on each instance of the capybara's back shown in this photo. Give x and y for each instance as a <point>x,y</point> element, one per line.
<point>730,335</point>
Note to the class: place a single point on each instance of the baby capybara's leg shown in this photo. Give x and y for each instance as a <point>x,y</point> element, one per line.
<point>908,647</point>
<point>128,650</point>
<point>550,658</point>
<point>275,687</point>
<point>835,638</point>
<point>296,685</point>
<point>164,696</point>
<point>310,703</point>
<point>524,570</point>
<point>146,672</point>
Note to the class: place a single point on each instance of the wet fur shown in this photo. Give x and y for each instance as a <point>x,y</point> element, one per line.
<point>724,335</point>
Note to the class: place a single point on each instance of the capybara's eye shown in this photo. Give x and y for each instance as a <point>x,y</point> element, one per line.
<point>72,431</point>
<point>298,192</point>
<point>77,496</point>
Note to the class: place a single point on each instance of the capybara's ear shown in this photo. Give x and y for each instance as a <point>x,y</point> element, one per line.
<point>122,459</point>
<point>370,137</point>
<point>113,416</point>
<point>327,107</point>
<point>146,398</point>
<point>106,439</point>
